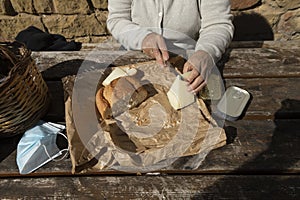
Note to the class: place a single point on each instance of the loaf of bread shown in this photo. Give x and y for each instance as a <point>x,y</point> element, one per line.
<point>121,94</point>
<point>102,104</point>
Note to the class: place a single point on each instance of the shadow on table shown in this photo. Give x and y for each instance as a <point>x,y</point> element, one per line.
<point>8,145</point>
<point>281,156</point>
<point>53,76</point>
<point>251,30</point>
<point>62,69</point>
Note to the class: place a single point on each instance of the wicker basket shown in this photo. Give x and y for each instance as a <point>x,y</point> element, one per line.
<point>23,92</point>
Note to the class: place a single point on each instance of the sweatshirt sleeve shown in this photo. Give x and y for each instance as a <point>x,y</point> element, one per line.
<point>216,27</point>
<point>119,23</point>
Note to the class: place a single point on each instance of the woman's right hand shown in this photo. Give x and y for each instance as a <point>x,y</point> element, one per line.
<point>154,46</point>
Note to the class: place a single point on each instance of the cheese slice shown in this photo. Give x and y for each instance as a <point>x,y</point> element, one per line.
<point>178,95</point>
<point>117,73</point>
<point>130,71</point>
<point>186,75</point>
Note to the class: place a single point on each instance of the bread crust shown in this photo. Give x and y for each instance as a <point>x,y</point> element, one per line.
<point>103,105</point>
<point>140,93</point>
<point>121,94</point>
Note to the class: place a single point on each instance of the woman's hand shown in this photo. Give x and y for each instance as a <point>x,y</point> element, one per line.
<point>154,46</point>
<point>201,65</point>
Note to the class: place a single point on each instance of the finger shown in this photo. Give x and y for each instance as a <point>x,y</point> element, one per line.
<point>194,74</point>
<point>200,87</point>
<point>195,84</point>
<point>187,67</point>
<point>157,55</point>
<point>165,55</point>
<point>163,48</point>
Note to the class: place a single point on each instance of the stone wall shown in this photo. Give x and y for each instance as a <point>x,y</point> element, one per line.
<point>266,19</point>
<point>82,20</point>
<point>85,20</point>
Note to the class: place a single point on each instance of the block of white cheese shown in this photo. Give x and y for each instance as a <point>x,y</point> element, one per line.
<point>117,73</point>
<point>178,95</point>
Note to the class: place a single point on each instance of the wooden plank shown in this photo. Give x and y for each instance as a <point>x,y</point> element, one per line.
<point>236,63</point>
<point>55,65</point>
<point>257,146</point>
<point>270,97</point>
<point>292,44</point>
<point>153,187</point>
<point>112,44</point>
<point>254,146</point>
<point>260,63</point>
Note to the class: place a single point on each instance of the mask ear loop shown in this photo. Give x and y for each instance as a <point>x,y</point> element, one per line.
<point>63,150</point>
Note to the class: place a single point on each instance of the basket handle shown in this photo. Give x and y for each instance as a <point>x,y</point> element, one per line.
<point>13,59</point>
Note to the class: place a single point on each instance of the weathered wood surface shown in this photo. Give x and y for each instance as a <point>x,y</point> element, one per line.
<point>112,45</point>
<point>260,161</point>
<point>254,146</point>
<point>241,62</point>
<point>269,95</point>
<point>273,61</point>
<point>153,187</point>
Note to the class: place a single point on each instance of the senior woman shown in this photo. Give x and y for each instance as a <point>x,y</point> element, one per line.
<point>155,26</point>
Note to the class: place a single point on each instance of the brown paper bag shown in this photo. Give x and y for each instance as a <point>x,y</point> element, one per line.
<point>208,135</point>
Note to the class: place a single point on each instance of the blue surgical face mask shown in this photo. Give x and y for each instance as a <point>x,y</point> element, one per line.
<point>38,146</point>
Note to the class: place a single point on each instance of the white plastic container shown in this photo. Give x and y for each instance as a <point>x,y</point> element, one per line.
<point>233,102</point>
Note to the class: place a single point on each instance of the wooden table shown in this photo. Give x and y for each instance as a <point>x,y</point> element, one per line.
<point>260,161</point>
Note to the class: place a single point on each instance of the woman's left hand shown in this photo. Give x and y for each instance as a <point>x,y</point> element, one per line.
<point>201,65</point>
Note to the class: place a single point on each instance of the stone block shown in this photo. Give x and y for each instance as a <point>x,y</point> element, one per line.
<point>72,26</point>
<point>71,7</point>
<point>289,25</point>
<point>102,17</point>
<point>23,6</point>
<point>270,12</point>
<point>243,4</point>
<point>288,4</point>
<point>11,26</point>
<point>43,6</point>
<point>100,4</point>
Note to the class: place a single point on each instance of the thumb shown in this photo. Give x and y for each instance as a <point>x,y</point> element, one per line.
<point>163,48</point>
<point>187,67</point>
<point>165,55</point>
